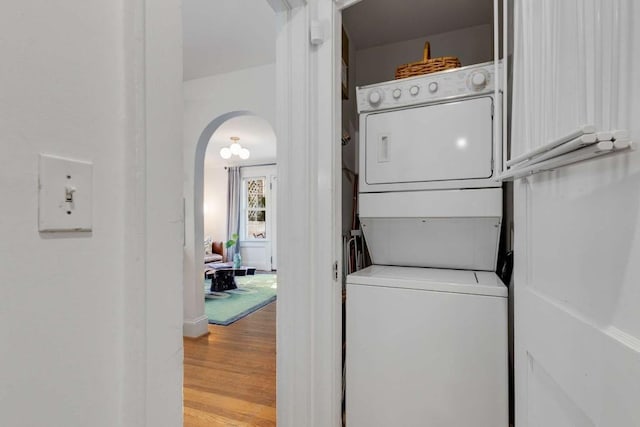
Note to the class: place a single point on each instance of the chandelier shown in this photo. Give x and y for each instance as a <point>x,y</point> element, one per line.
<point>235,149</point>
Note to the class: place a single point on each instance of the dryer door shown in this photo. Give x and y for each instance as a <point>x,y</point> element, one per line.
<point>437,142</point>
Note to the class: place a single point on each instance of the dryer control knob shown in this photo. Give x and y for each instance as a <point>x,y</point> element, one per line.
<point>414,90</point>
<point>478,80</point>
<point>397,93</point>
<point>375,97</point>
<point>433,87</point>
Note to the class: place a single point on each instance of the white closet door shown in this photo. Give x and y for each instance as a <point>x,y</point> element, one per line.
<point>577,231</point>
<point>274,222</point>
<point>257,224</point>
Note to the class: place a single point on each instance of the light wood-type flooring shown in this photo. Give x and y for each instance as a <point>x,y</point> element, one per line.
<point>230,375</point>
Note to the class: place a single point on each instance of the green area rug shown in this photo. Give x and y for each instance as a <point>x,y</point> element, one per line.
<point>254,292</point>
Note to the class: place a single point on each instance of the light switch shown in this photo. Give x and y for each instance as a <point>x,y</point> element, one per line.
<point>65,188</point>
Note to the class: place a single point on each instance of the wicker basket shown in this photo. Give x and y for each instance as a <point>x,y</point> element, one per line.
<point>427,65</point>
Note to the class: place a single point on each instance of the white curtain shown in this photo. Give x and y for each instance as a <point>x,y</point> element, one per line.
<point>570,68</point>
<point>234,189</point>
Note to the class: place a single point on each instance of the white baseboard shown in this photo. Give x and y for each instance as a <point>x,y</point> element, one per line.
<point>194,328</point>
<point>263,267</point>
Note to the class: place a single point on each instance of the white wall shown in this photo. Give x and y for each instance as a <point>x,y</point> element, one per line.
<point>76,347</point>
<point>251,89</point>
<point>215,200</point>
<point>378,64</point>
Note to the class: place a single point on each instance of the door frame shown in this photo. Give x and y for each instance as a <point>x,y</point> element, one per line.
<point>268,172</point>
<point>273,190</point>
<point>153,309</point>
<point>309,324</point>
<point>309,335</point>
<point>309,201</point>
<point>309,345</point>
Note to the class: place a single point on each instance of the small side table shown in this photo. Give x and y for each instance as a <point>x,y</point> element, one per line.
<point>223,280</point>
<point>223,277</point>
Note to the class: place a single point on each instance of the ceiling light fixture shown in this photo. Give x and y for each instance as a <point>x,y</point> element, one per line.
<point>235,149</point>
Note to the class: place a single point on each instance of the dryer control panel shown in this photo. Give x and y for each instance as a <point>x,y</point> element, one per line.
<point>459,82</point>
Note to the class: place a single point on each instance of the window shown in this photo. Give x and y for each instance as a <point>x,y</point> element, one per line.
<point>256,213</point>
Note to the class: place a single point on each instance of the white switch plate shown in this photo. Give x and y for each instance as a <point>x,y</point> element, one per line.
<point>57,176</point>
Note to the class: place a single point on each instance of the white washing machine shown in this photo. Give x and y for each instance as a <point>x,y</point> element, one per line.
<point>427,323</point>
<point>426,348</point>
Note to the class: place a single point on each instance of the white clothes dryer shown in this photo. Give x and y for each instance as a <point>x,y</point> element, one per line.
<point>432,132</point>
<point>430,151</point>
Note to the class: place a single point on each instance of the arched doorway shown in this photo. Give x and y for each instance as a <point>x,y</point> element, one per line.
<point>196,322</point>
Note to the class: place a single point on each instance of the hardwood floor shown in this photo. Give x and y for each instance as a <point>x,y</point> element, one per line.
<point>230,375</point>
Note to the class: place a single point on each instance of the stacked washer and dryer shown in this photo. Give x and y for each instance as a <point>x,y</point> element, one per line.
<point>427,322</point>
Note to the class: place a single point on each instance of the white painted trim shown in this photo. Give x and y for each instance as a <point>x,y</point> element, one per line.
<point>161,213</point>
<point>273,189</point>
<point>249,246</point>
<point>328,295</point>
<point>343,4</point>
<point>293,394</point>
<point>285,5</point>
<point>309,324</point>
<point>505,82</point>
<point>135,256</point>
<point>278,5</point>
<point>267,172</point>
<point>194,328</point>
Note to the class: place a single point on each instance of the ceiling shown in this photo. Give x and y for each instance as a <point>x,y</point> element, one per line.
<point>376,22</point>
<point>255,133</point>
<point>225,35</point>
<point>220,36</point>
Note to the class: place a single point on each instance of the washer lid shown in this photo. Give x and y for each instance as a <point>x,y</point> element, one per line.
<point>430,279</point>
